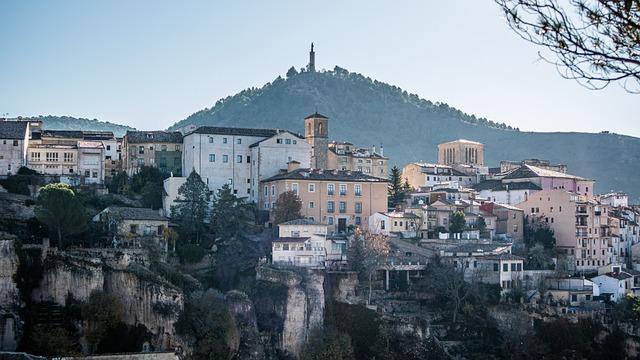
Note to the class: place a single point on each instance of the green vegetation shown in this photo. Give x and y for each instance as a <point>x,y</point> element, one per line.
<point>398,190</point>
<point>62,212</point>
<point>208,326</point>
<point>104,313</point>
<point>191,209</point>
<point>540,242</point>
<point>19,183</point>
<point>231,217</point>
<point>147,183</point>
<point>72,123</point>
<point>287,207</point>
<point>457,223</point>
<point>327,344</point>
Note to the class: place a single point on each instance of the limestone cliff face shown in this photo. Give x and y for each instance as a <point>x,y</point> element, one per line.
<point>304,308</point>
<point>243,311</point>
<point>68,275</point>
<point>9,294</point>
<point>155,306</point>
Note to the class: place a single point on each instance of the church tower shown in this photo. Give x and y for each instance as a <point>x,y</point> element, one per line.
<point>312,60</point>
<point>316,133</point>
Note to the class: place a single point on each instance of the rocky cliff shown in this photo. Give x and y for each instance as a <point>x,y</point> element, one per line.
<point>9,294</point>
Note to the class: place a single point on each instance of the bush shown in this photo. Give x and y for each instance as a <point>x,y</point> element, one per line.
<point>190,253</point>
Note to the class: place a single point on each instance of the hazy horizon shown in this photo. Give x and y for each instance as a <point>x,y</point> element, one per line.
<point>151,64</point>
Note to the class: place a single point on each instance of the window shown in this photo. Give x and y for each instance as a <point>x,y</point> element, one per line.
<point>312,205</point>
<point>343,206</point>
<point>343,189</point>
<point>68,157</point>
<point>330,189</point>
<point>52,156</point>
<point>358,208</point>
<point>35,156</point>
<point>225,158</point>
<point>295,142</point>
<point>212,157</point>
<point>287,141</point>
<point>108,147</point>
<point>513,267</point>
<point>505,267</point>
<point>133,228</point>
<point>278,141</point>
<point>210,140</point>
<point>239,141</point>
<point>94,174</point>
<point>273,190</point>
<point>312,187</point>
<point>358,220</point>
<point>15,142</point>
<point>177,147</point>
<point>330,220</point>
<point>358,189</point>
<point>382,225</point>
<point>140,149</point>
<point>574,297</point>
<point>239,159</point>
<point>87,173</point>
<point>224,140</point>
<point>248,159</point>
<point>496,267</point>
<point>294,188</point>
<point>330,206</point>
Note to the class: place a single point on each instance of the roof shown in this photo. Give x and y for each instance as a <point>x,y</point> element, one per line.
<point>300,222</point>
<point>486,247</point>
<point>13,129</point>
<point>316,115</point>
<point>215,130</point>
<point>503,256</point>
<point>320,175</point>
<point>291,239</point>
<point>276,133</point>
<point>618,276</point>
<point>529,171</point>
<point>462,141</point>
<point>498,185</point>
<point>400,214</point>
<point>78,134</point>
<point>141,137</point>
<point>131,213</point>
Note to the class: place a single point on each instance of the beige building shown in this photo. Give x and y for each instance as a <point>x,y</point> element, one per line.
<point>162,149</point>
<point>345,156</point>
<point>316,132</point>
<point>14,141</point>
<point>509,220</point>
<point>425,175</point>
<point>580,226</point>
<point>334,197</point>
<point>461,151</point>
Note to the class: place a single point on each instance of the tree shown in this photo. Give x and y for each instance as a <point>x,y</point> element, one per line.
<point>62,212</point>
<point>119,183</point>
<point>538,257</point>
<point>291,72</point>
<point>52,341</point>
<point>287,207</point>
<point>594,42</point>
<point>538,231</point>
<point>448,281</point>
<point>481,224</point>
<point>327,344</point>
<point>208,326</point>
<point>191,209</point>
<point>152,194</point>
<point>397,189</point>
<point>231,216</point>
<point>457,222</point>
<point>104,313</point>
<point>367,252</point>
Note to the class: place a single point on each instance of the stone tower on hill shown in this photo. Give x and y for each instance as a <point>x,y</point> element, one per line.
<point>316,133</point>
<point>312,60</point>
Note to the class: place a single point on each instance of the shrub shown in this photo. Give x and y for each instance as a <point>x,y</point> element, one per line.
<point>190,253</point>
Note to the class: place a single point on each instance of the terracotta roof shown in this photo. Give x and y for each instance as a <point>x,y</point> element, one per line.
<point>331,175</point>
<point>16,130</point>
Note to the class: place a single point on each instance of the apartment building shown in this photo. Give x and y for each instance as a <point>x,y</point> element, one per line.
<point>425,175</point>
<point>162,149</point>
<point>338,198</point>
<point>14,141</point>
<point>346,156</point>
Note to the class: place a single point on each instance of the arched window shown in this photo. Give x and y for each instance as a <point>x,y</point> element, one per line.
<point>320,129</point>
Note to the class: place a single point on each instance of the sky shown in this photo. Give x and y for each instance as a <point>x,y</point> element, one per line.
<point>148,64</point>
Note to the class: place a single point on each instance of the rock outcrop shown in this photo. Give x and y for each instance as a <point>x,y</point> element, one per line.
<point>9,294</point>
<point>242,309</point>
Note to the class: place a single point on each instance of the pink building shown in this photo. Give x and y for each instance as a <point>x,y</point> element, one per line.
<point>550,180</point>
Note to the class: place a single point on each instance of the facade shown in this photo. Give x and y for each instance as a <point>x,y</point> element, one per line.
<point>616,284</point>
<point>162,149</point>
<point>580,225</point>
<point>425,175</point>
<point>461,152</point>
<point>14,141</point>
<point>345,156</point>
<point>509,220</point>
<point>337,198</point>
<point>130,226</point>
<point>507,165</point>
<point>316,132</point>
<point>91,162</point>
<point>241,157</point>
<point>300,242</point>
<point>549,180</point>
<point>170,187</point>
<point>506,193</point>
<point>614,199</point>
<point>395,223</point>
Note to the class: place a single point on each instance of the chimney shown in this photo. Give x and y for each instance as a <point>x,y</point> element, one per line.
<point>381,150</point>
<point>373,149</point>
<point>293,165</point>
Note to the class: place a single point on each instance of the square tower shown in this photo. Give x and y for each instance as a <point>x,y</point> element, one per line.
<point>316,133</point>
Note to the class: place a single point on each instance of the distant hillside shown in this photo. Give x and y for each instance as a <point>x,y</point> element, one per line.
<point>368,112</point>
<point>71,123</point>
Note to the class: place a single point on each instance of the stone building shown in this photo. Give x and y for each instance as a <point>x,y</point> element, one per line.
<point>130,226</point>
<point>345,156</point>
<point>336,197</point>
<point>316,132</point>
<point>424,175</point>
<point>461,151</point>
<point>162,149</point>
<point>14,140</point>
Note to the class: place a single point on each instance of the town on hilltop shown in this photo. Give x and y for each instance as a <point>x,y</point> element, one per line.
<point>268,239</point>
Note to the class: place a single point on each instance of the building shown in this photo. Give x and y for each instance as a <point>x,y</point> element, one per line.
<point>161,149</point>
<point>14,141</point>
<point>461,151</point>
<point>91,162</point>
<point>580,225</point>
<point>131,226</point>
<point>300,242</point>
<point>395,223</point>
<point>506,193</point>
<point>617,283</point>
<point>312,60</point>
<point>345,156</point>
<point>508,165</point>
<point>509,220</point>
<point>316,132</point>
<point>424,175</point>
<point>170,187</point>
<point>242,157</point>
<point>614,199</point>
<point>549,180</point>
<point>335,197</point>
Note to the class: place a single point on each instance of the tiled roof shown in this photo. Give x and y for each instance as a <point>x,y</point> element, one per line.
<point>141,137</point>
<point>278,132</point>
<point>300,222</point>
<point>319,174</point>
<point>291,239</point>
<point>77,134</point>
<point>503,256</point>
<point>316,115</point>
<point>13,129</point>
<point>234,131</point>
<point>131,213</point>
<point>529,171</point>
<point>498,185</point>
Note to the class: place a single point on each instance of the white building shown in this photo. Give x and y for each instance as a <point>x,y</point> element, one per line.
<point>300,243</point>
<point>14,140</point>
<point>506,193</point>
<point>615,199</point>
<point>615,285</point>
<point>91,161</point>
<point>241,157</point>
<point>171,185</point>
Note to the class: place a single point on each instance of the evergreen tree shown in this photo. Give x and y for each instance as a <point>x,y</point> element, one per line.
<point>287,207</point>
<point>231,216</point>
<point>397,190</point>
<point>191,209</point>
<point>58,207</point>
<point>457,222</point>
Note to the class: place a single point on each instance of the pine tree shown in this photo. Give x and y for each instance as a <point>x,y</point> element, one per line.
<point>287,207</point>
<point>231,216</point>
<point>192,207</point>
<point>62,212</point>
<point>397,190</point>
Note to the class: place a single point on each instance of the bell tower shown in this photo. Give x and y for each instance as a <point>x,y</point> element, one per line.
<point>316,133</point>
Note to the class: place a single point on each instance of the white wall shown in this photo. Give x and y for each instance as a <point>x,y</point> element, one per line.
<point>171,186</point>
<point>511,197</point>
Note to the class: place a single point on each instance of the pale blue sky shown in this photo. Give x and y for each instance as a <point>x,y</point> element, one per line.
<point>150,63</point>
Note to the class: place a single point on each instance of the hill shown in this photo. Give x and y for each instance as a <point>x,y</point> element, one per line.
<point>368,112</point>
<point>71,123</point>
